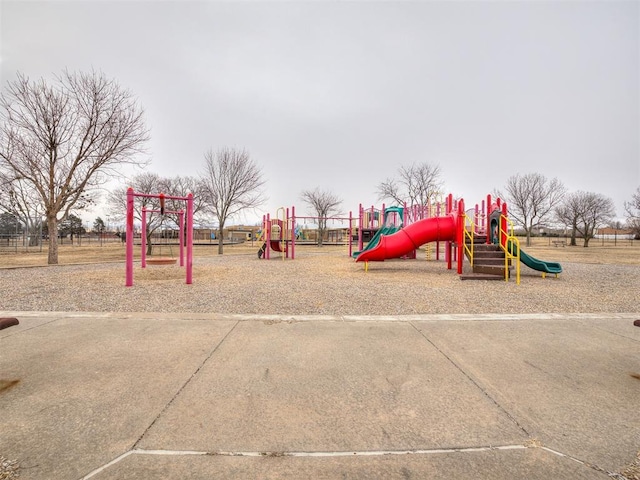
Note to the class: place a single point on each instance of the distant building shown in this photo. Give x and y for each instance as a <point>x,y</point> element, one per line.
<point>609,233</point>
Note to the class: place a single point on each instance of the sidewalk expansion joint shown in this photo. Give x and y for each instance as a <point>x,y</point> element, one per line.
<point>191,377</point>
<point>472,380</point>
<point>347,453</point>
<point>362,453</point>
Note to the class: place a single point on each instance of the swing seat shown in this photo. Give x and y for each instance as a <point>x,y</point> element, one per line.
<point>161,261</point>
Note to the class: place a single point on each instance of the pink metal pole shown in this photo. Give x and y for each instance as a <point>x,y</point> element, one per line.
<point>129,238</point>
<point>350,233</point>
<point>189,239</point>
<point>503,226</point>
<point>438,242</point>
<point>293,232</point>
<point>264,237</point>
<point>447,243</point>
<point>488,215</point>
<point>181,233</point>
<point>460,235</point>
<point>143,239</point>
<point>476,218</point>
<point>360,227</point>
<point>267,250</point>
<point>285,224</point>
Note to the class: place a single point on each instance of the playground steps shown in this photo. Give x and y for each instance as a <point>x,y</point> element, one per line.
<point>488,261</point>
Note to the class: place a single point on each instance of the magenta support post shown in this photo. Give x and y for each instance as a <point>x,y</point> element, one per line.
<point>350,233</point>
<point>189,239</point>
<point>293,232</point>
<point>129,238</point>
<point>129,233</point>
<point>267,232</point>
<point>360,226</point>
<point>143,240</point>
<point>181,233</point>
<point>488,216</point>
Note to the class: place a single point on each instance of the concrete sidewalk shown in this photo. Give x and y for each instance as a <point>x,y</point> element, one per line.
<point>113,396</point>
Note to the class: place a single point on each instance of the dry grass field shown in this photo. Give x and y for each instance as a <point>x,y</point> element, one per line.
<point>320,281</point>
<point>624,252</point>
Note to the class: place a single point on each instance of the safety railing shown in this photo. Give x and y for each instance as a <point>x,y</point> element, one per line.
<point>468,229</point>
<point>509,243</point>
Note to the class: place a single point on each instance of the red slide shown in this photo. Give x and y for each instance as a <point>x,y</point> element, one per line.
<point>410,238</point>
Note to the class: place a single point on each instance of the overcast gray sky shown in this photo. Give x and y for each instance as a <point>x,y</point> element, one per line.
<point>340,94</point>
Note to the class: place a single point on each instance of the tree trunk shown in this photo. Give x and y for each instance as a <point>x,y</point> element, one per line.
<point>322,226</point>
<point>573,235</point>
<point>149,242</point>
<point>221,240</point>
<point>528,237</point>
<point>588,234</point>
<point>52,224</point>
<point>34,233</point>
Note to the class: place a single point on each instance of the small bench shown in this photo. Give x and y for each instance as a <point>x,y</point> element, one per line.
<point>559,243</point>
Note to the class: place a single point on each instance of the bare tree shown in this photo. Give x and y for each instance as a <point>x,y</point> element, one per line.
<point>324,204</point>
<point>149,183</point>
<point>153,184</point>
<point>21,200</point>
<point>585,212</point>
<point>64,138</point>
<point>632,211</point>
<point>532,199</point>
<point>415,185</point>
<point>568,214</point>
<point>233,182</point>
<point>181,186</point>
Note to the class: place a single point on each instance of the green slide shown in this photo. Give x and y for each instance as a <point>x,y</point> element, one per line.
<point>385,230</point>
<point>531,262</point>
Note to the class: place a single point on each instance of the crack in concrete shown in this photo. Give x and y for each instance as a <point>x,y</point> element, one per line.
<point>191,377</point>
<point>615,476</point>
<point>472,380</point>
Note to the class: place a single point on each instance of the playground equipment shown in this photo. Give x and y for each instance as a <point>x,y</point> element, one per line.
<point>463,233</point>
<point>160,260</point>
<point>392,221</point>
<point>279,234</point>
<point>375,222</point>
<point>188,216</point>
<point>447,228</point>
<point>498,219</point>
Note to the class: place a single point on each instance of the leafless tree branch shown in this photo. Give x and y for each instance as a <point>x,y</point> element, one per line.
<point>415,185</point>
<point>532,199</point>
<point>584,213</point>
<point>64,137</point>
<point>232,182</point>
<point>323,204</point>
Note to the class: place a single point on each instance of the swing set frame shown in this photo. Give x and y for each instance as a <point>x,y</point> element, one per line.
<point>131,194</point>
